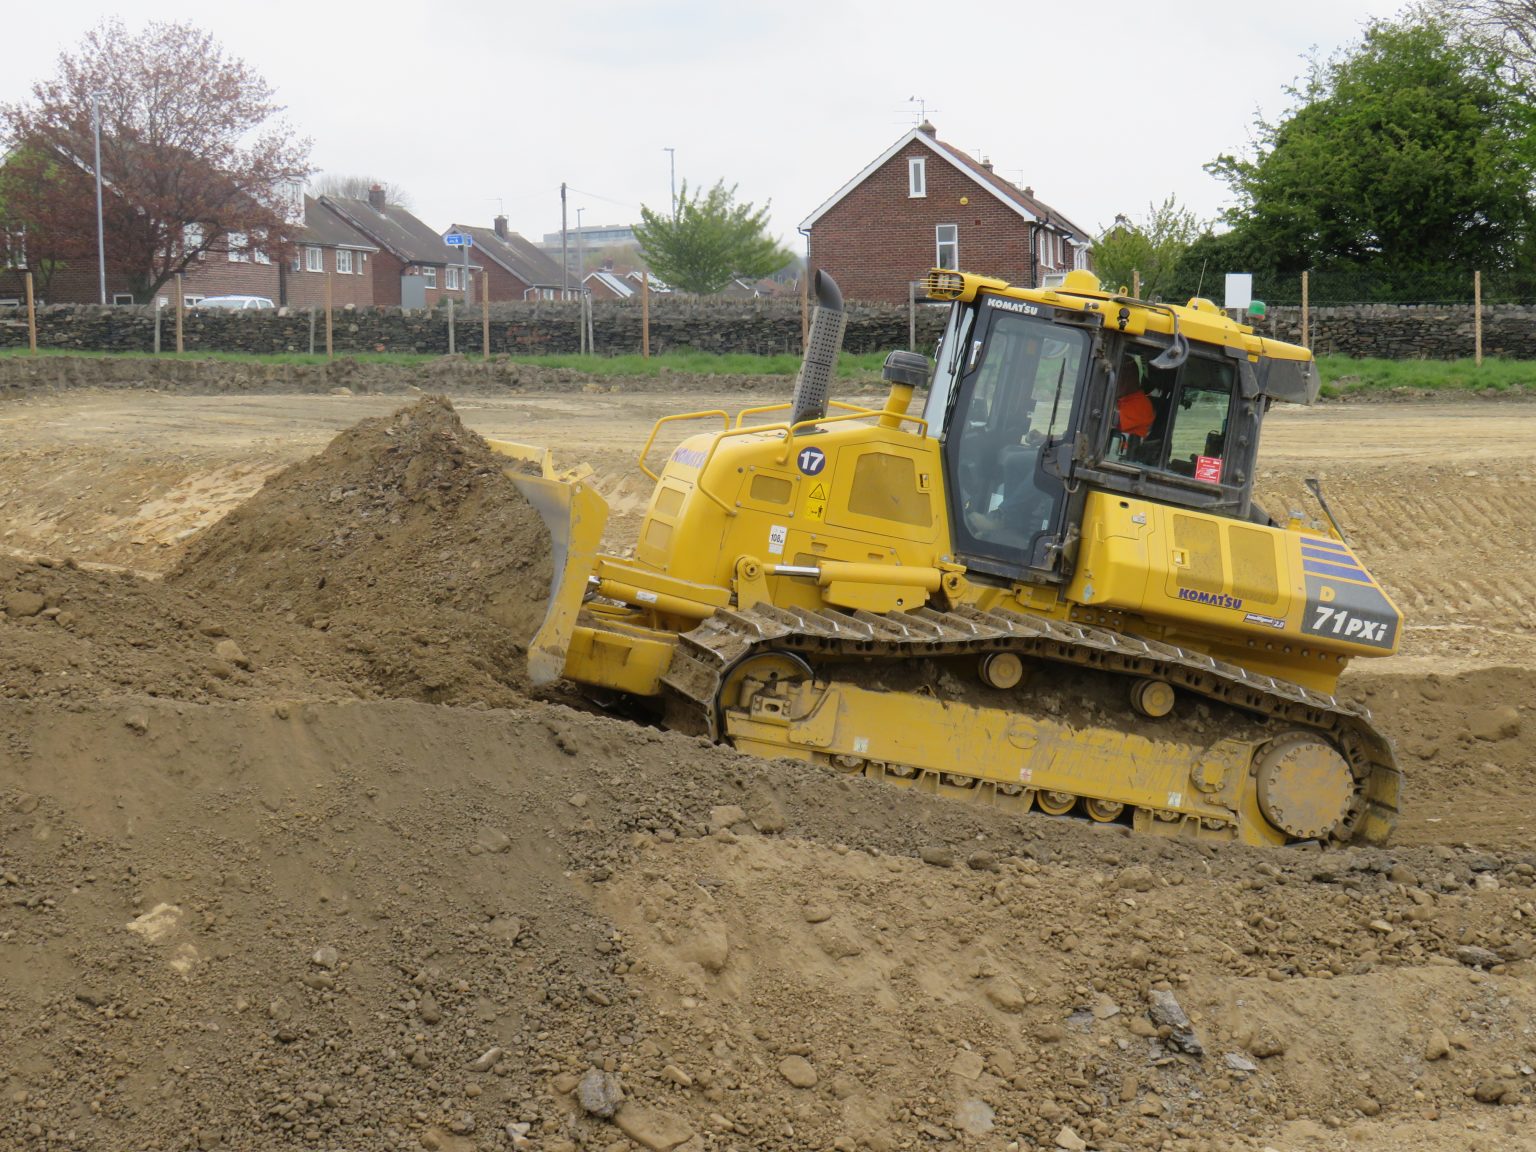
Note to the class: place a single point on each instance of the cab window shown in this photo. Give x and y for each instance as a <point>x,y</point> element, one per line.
<point>1172,419</point>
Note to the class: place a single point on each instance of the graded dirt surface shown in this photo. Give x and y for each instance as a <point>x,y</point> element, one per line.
<point>290,859</point>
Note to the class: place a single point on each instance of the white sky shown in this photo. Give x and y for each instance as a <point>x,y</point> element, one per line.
<point>476,106</point>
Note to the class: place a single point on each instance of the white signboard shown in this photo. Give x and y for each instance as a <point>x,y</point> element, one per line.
<point>1239,290</point>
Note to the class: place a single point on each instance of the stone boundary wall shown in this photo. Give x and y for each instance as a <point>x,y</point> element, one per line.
<point>763,327</point>
<point>1409,331</point>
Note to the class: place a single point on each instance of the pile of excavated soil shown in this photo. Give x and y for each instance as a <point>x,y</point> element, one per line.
<point>406,543</point>
<point>80,636</point>
<point>387,925</point>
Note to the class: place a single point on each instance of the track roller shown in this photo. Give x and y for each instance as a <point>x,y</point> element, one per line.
<point>1055,803</point>
<point>1001,670</point>
<point>1104,811</point>
<point>1152,698</point>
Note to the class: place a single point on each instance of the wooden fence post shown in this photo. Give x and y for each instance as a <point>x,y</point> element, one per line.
<point>1135,284</point>
<point>1305,315</point>
<point>330,319</point>
<point>485,314</point>
<point>181,307</point>
<point>31,318</point>
<point>1477,318</point>
<point>645,315</point>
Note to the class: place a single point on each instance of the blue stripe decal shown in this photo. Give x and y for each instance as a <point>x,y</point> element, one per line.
<point>1318,568</point>
<point>1330,558</point>
<point>1318,542</point>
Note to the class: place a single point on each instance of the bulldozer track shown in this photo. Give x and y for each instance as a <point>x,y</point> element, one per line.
<point>708,652</point>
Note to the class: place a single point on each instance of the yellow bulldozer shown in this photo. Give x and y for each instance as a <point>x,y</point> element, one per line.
<point>1048,587</point>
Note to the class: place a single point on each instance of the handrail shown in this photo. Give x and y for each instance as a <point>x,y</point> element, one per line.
<point>655,428</point>
<point>760,429</point>
<point>745,412</point>
<point>921,422</point>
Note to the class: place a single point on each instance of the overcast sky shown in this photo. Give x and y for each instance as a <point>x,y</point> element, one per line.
<point>477,107</point>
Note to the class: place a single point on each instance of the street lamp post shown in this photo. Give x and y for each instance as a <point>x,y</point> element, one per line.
<point>101,236</point>
<point>672,164</point>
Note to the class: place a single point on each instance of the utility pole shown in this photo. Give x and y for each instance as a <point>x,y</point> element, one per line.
<point>672,163</point>
<point>101,236</point>
<point>565,261</point>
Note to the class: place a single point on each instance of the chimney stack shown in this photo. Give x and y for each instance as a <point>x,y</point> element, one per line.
<point>376,197</point>
<point>501,226</point>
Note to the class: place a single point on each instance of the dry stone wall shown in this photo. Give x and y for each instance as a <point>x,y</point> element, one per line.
<point>764,327</point>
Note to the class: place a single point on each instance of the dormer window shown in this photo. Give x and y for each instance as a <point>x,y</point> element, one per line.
<point>917,176</point>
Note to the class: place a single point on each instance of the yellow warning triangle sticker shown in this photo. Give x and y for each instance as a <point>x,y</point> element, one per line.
<point>818,493</point>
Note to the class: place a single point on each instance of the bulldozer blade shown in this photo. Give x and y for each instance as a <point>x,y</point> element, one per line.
<point>575,515</point>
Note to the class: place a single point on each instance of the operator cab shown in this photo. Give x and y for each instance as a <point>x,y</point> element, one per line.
<point>1036,403</point>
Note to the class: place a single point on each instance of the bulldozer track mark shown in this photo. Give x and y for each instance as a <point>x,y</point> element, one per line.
<point>710,650</point>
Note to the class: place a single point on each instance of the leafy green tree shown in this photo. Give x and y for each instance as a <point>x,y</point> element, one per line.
<point>710,241</point>
<point>1405,157</point>
<point>1150,249</point>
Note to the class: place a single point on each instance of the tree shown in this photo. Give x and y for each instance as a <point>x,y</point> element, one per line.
<point>194,157</point>
<point>709,242</point>
<point>36,231</point>
<point>1151,249</point>
<point>357,188</point>
<point>1506,26</point>
<point>1406,157</point>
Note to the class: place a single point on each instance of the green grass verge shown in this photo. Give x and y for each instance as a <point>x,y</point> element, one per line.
<point>1344,376</point>
<point>673,363</point>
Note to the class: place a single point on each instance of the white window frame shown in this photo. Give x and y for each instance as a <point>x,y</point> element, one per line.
<point>430,276</point>
<point>362,258</point>
<point>917,177</point>
<point>238,241</point>
<point>940,243</point>
<point>296,264</point>
<point>314,259</point>
<point>451,278</point>
<point>192,237</point>
<point>122,299</point>
<point>343,262</point>
<point>259,255</point>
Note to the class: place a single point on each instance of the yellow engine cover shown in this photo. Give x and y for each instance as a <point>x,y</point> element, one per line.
<point>1292,604</point>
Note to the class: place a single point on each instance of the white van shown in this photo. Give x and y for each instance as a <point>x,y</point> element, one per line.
<point>235,302</point>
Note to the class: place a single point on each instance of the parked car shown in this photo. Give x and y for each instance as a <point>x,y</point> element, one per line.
<point>235,302</point>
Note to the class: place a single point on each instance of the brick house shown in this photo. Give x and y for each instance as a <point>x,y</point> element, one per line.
<point>515,268</point>
<point>923,203</point>
<point>412,268</point>
<point>328,244</point>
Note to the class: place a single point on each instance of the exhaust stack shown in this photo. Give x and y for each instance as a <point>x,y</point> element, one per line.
<point>821,348</point>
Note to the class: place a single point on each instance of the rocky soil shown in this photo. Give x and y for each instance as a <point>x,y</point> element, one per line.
<point>290,859</point>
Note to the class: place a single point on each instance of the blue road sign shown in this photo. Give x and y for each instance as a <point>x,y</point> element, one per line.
<point>458,240</point>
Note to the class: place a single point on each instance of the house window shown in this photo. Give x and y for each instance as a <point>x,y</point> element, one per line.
<point>430,275</point>
<point>361,258</point>
<point>297,263</point>
<point>122,297</point>
<point>314,260</point>
<point>15,245</point>
<point>451,279</point>
<point>259,254</point>
<point>947,243</point>
<point>191,299</point>
<point>343,262</point>
<point>238,245</point>
<point>192,239</point>
<point>917,176</point>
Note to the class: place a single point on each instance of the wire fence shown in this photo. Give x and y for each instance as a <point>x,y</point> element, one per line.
<point>1341,287</point>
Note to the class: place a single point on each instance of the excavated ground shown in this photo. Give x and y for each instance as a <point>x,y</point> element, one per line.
<point>290,858</point>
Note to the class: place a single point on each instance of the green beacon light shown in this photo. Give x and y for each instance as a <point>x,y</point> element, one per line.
<point>1257,309</point>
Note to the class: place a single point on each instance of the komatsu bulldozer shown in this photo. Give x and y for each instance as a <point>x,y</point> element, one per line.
<point>1047,587</point>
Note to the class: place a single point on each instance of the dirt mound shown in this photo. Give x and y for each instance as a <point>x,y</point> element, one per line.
<point>406,543</point>
<point>80,636</point>
<point>384,925</point>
